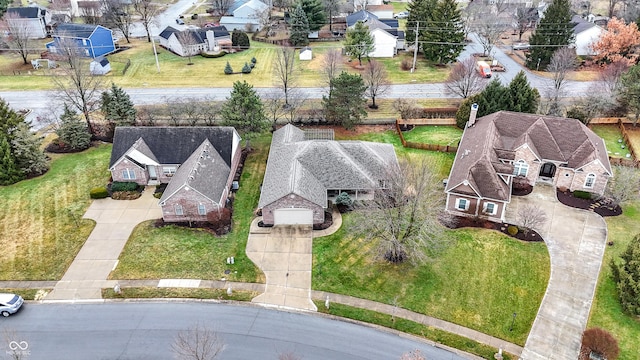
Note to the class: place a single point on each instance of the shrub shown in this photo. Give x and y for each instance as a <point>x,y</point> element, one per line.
<point>582,194</point>
<point>213,56</point>
<point>512,230</point>
<point>194,16</point>
<point>626,274</point>
<point>125,195</point>
<point>252,65</point>
<point>220,220</point>
<point>246,69</point>
<point>254,60</point>
<point>157,195</point>
<point>344,199</point>
<point>598,341</point>
<point>406,64</point>
<point>227,69</point>
<point>124,186</point>
<point>239,39</point>
<point>99,193</point>
<point>577,113</point>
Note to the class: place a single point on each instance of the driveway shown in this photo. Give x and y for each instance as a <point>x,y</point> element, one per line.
<point>115,220</point>
<point>576,242</point>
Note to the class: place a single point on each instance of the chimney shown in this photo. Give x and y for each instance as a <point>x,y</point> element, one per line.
<point>211,40</point>
<point>472,115</point>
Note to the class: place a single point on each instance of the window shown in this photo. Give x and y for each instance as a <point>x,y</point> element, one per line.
<point>382,184</point>
<point>202,210</point>
<point>179,210</point>
<point>168,170</point>
<point>128,174</point>
<point>590,180</point>
<point>462,204</point>
<point>490,208</point>
<point>520,168</point>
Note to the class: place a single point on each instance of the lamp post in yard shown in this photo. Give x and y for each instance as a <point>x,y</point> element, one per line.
<point>513,321</point>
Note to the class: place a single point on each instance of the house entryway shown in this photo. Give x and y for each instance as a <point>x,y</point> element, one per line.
<point>547,170</point>
<point>153,175</point>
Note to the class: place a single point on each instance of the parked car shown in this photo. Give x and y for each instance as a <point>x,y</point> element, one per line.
<point>179,22</point>
<point>10,304</point>
<point>521,46</point>
<point>401,15</point>
<point>484,69</point>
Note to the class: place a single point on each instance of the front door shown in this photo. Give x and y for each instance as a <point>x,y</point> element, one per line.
<point>548,170</point>
<point>152,172</point>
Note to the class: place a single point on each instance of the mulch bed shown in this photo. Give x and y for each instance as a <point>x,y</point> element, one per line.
<point>463,221</point>
<point>596,206</point>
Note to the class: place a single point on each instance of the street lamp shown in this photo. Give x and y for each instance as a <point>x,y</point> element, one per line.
<point>513,321</point>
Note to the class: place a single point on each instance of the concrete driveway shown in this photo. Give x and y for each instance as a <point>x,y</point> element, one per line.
<point>115,220</point>
<point>576,242</point>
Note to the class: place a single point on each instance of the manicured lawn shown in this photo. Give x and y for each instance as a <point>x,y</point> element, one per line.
<point>479,282</point>
<point>440,135</point>
<point>606,311</point>
<point>611,134</point>
<point>175,252</point>
<point>149,292</point>
<point>41,225</point>
<point>634,137</point>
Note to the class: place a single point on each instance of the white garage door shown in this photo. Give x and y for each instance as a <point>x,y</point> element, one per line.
<point>292,216</point>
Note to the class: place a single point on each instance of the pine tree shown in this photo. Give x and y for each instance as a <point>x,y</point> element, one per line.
<point>359,42</point>
<point>444,42</point>
<point>464,110</point>
<point>72,131</point>
<point>555,30</point>
<point>299,27</point>
<point>9,119</point>
<point>239,39</point>
<point>420,14</point>
<point>626,274</point>
<point>117,107</point>
<point>347,102</point>
<point>522,97</point>
<point>244,111</point>
<point>494,98</point>
<point>315,14</point>
<point>9,171</point>
<point>227,69</point>
<point>246,69</point>
<point>25,146</point>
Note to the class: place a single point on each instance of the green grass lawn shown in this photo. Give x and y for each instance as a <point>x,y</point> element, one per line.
<point>611,134</point>
<point>41,225</point>
<point>634,137</point>
<point>606,311</point>
<point>176,252</point>
<point>440,135</point>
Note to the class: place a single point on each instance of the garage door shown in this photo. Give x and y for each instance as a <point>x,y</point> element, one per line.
<point>292,216</point>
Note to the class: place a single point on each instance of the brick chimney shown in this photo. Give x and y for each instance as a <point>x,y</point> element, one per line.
<point>472,115</point>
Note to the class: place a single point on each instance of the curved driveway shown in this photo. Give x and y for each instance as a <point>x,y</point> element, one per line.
<point>576,242</point>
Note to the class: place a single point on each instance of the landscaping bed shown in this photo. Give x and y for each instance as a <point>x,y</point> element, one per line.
<point>598,206</point>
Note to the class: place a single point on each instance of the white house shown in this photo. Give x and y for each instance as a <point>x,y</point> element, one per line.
<point>586,34</point>
<point>362,4</point>
<point>306,53</point>
<point>381,11</point>
<point>244,13</point>
<point>34,20</point>
<point>209,39</point>
<point>387,39</point>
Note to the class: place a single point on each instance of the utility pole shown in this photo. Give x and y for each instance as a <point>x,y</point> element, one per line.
<point>155,54</point>
<point>415,50</point>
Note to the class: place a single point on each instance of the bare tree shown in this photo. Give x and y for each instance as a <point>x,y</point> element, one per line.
<point>401,220</point>
<point>19,39</point>
<point>611,7</point>
<point>375,79</point>
<point>147,10</point>
<point>488,26</point>
<point>531,217</point>
<point>463,80</point>
<point>211,112</point>
<point>562,61</point>
<point>285,70</point>
<point>188,41</point>
<point>221,7</point>
<point>407,109</point>
<point>175,111</point>
<point>273,106</point>
<point>332,7</point>
<point>116,14</point>
<point>197,343</point>
<point>76,86</point>
<point>193,111</point>
<point>297,98</point>
<point>90,11</point>
<point>609,76</point>
<point>264,18</point>
<point>624,186</point>
<point>525,19</point>
<point>331,67</point>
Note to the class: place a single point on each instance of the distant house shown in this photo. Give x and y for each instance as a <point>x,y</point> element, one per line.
<point>362,4</point>
<point>100,66</point>
<point>36,20</point>
<point>586,34</point>
<point>193,42</point>
<point>381,11</point>
<point>94,40</point>
<point>306,53</point>
<point>505,147</point>
<point>305,173</point>
<point>243,15</point>
<point>198,165</point>
<point>387,39</point>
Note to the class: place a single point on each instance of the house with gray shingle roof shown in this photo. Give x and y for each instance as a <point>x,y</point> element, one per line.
<point>197,163</point>
<point>195,41</point>
<point>586,34</point>
<point>387,38</point>
<point>503,146</point>
<point>35,20</point>
<point>304,174</point>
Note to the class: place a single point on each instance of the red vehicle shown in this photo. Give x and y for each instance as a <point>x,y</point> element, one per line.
<point>484,69</point>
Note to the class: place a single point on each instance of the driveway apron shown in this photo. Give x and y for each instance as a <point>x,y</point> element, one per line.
<point>115,220</point>
<point>576,242</point>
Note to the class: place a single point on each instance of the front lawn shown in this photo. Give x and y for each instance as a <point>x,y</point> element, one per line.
<point>606,311</point>
<point>438,135</point>
<point>41,225</point>
<point>612,136</point>
<point>177,252</point>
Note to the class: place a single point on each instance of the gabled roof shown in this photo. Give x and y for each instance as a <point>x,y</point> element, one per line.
<point>199,36</point>
<point>309,168</point>
<point>497,136</point>
<point>168,31</point>
<point>29,12</point>
<point>392,23</point>
<point>256,5</point>
<point>172,145</point>
<point>380,7</point>
<point>76,30</point>
<point>361,15</point>
<point>581,24</point>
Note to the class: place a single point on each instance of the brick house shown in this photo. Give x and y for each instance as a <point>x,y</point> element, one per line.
<point>198,165</point>
<point>499,147</point>
<point>307,170</point>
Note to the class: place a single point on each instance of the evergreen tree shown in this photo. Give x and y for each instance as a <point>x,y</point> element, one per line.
<point>554,31</point>
<point>316,18</point>
<point>444,35</point>
<point>29,157</point>
<point>626,274</point>
<point>246,69</point>
<point>9,120</point>
<point>629,91</point>
<point>9,171</point>
<point>299,27</point>
<point>117,107</point>
<point>347,102</point>
<point>244,111</point>
<point>494,98</point>
<point>239,39</point>
<point>359,42</point>
<point>522,97</point>
<point>420,15</point>
<point>227,69</point>
<point>73,132</point>
<point>462,115</point>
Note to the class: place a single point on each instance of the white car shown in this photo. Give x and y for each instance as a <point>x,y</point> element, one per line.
<point>521,46</point>
<point>401,15</point>
<point>10,304</point>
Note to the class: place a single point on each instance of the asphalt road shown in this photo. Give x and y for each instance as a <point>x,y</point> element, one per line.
<point>146,330</point>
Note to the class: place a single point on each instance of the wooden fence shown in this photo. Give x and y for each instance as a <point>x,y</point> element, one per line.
<point>627,140</point>
<point>432,147</point>
<point>429,121</point>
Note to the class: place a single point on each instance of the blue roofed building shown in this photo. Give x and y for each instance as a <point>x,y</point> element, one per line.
<point>93,40</point>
